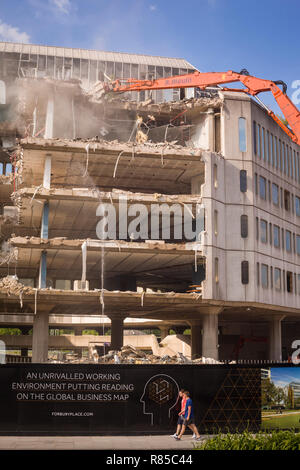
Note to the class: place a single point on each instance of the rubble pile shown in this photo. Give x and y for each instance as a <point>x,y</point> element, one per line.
<point>130,355</point>
<point>11,286</point>
<point>97,94</point>
<point>6,179</point>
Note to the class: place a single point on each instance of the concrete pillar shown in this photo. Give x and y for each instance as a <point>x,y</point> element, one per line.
<point>196,339</point>
<point>40,336</point>
<point>49,124</point>
<point>47,172</point>
<point>210,336</point>
<point>211,129</point>
<point>117,325</point>
<point>164,331</point>
<point>275,339</point>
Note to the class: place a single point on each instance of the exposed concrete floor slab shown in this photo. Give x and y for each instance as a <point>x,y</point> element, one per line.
<point>95,443</point>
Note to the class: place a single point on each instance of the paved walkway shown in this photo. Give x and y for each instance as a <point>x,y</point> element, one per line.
<point>94,443</point>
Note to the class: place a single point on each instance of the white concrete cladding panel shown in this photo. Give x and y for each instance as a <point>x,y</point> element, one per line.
<point>233,192</point>
<point>236,105</point>
<point>232,217</point>
<point>235,288</point>
<point>200,137</point>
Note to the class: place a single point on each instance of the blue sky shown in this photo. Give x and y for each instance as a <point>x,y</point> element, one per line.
<point>282,376</point>
<point>214,35</point>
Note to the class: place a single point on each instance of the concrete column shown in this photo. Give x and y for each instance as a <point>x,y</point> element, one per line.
<point>211,129</point>
<point>49,124</point>
<point>210,336</point>
<point>47,172</point>
<point>275,340</point>
<point>117,325</point>
<point>196,339</point>
<point>40,336</point>
<point>164,331</point>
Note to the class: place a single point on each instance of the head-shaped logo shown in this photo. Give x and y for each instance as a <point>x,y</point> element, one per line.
<point>159,398</point>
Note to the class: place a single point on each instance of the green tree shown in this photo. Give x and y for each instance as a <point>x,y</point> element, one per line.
<point>10,331</point>
<point>269,393</point>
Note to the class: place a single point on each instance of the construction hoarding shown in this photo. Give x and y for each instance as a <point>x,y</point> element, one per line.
<point>126,399</point>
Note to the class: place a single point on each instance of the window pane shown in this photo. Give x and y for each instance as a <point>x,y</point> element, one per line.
<point>263,231</point>
<point>254,138</point>
<point>264,275</point>
<point>277,279</point>
<point>297,203</point>
<point>271,150</point>
<point>258,140</point>
<point>298,245</point>
<point>242,134</point>
<point>262,187</point>
<point>244,226</point>
<point>288,238</point>
<point>8,168</point>
<point>243,181</point>
<point>245,272</point>
<point>276,236</point>
<point>275,194</point>
<point>263,143</point>
<point>289,281</point>
<point>275,159</point>
<point>286,200</point>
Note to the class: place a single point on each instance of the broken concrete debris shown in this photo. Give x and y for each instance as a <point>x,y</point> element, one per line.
<point>11,286</point>
<point>130,355</point>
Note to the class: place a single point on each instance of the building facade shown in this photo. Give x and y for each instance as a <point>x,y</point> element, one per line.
<point>236,286</point>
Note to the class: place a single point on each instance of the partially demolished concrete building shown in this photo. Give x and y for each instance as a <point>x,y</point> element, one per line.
<point>216,160</point>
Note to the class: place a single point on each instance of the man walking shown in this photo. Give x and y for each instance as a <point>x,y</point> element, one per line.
<point>188,418</point>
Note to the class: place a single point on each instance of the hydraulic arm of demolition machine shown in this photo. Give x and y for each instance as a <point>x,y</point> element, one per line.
<point>253,86</point>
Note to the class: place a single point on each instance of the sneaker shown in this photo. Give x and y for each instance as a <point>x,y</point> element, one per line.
<point>177,438</point>
<point>199,438</point>
<point>173,435</point>
<point>194,436</point>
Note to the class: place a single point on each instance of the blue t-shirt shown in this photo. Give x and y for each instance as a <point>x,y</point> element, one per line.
<point>186,412</point>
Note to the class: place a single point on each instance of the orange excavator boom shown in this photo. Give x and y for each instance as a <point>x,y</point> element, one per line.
<point>253,86</point>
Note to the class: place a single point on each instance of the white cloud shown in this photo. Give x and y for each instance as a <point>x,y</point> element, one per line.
<point>153,7</point>
<point>63,6</point>
<point>12,34</point>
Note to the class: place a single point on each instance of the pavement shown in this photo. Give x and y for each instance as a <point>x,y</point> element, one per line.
<point>95,443</point>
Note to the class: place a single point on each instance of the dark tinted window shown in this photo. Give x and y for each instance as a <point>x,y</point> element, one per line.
<point>244,226</point>
<point>254,138</point>
<point>245,272</point>
<point>243,181</point>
